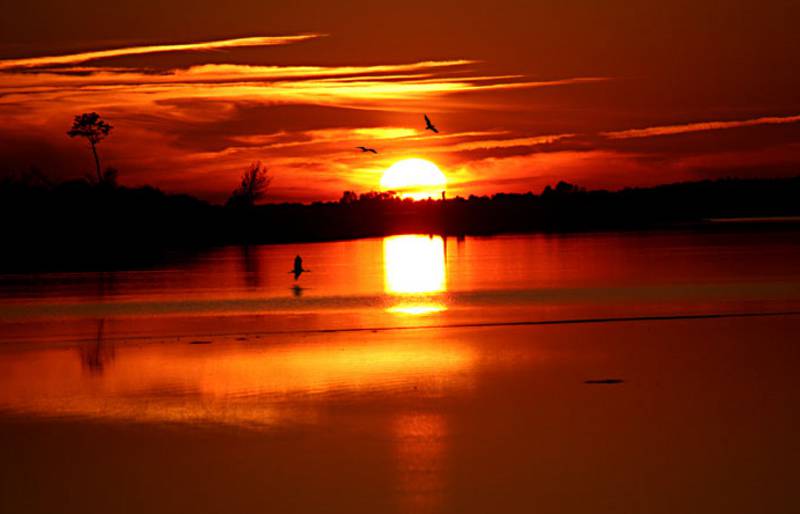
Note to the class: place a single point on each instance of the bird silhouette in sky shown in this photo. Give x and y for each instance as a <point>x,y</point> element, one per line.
<point>367,149</point>
<point>429,125</point>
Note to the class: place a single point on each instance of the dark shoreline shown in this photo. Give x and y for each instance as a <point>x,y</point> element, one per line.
<point>76,226</point>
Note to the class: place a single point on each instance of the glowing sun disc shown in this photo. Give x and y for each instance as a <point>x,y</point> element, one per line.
<point>414,178</point>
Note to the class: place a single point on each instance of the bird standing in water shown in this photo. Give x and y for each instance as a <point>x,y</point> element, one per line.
<point>298,267</point>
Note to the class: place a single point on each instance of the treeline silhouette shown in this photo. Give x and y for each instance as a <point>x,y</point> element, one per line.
<point>83,225</point>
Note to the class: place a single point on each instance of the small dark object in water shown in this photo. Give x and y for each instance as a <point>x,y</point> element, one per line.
<point>604,381</point>
<point>241,339</point>
<point>199,342</point>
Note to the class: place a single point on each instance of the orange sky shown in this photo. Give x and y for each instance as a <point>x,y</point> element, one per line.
<point>605,94</point>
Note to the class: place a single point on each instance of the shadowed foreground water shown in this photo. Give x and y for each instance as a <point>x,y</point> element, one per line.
<point>213,387</point>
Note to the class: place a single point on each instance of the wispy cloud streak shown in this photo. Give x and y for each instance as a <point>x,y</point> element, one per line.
<point>667,130</point>
<point>363,87</point>
<point>490,144</point>
<point>82,57</point>
<point>203,120</point>
<point>211,74</point>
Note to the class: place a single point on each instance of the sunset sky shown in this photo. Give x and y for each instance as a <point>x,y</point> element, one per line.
<point>604,94</point>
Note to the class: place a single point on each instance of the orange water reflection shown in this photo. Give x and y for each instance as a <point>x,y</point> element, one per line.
<point>496,419</point>
<point>414,273</point>
<point>255,383</point>
<point>355,283</point>
<point>420,454</point>
<point>478,419</point>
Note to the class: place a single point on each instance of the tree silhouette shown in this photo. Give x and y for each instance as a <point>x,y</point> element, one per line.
<point>348,197</point>
<point>94,129</point>
<point>255,182</point>
<point>562,188</point>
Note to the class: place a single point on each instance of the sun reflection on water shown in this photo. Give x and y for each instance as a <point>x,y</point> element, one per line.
<point>416,308</point>
<point>421,451</point>
<point>414,271</point>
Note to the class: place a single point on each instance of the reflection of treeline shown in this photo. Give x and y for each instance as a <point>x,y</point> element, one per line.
<point>80,224</point>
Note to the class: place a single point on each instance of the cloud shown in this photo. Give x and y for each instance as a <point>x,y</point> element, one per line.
<point>82,57</point>
<point>194,128</point>
<point>519,142</point>
<point>667,130</point>
<point>393,86</point>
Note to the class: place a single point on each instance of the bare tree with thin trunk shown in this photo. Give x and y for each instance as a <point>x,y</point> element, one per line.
<point>94,129</point>
<point>255,182</point>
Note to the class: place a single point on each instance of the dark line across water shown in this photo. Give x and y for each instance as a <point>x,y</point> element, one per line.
<point>568,321</point>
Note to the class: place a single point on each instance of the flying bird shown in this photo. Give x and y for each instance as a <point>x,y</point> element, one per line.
<point>367,149</point>
<point>430,126</point>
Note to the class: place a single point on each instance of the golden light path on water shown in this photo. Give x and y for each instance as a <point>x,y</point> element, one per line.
<point>414,272</point>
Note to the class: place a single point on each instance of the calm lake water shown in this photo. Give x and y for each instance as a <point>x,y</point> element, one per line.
<point>410,374</point>
<point>411,280</point>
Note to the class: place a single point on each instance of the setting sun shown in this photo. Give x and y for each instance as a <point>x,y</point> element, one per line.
<point>414,178</point>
